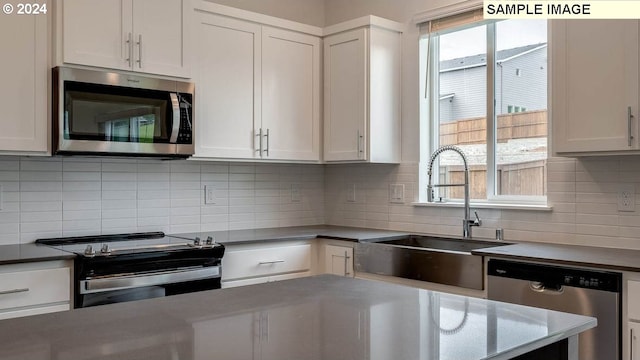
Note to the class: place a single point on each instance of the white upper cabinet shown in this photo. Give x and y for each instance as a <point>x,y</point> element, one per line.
<point>23,90</point>
<point>228,82</point>
<point>594,86</point>
<point>290,95</point>
<point>150,36</point>
<point>258,89</point>
<point>345,98</point>
<point>362,91</point>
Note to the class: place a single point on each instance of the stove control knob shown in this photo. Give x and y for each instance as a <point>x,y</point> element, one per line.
<point>197,241</point>
<point>105,249</point>
<point>209,241</point>
<point>88,251</point>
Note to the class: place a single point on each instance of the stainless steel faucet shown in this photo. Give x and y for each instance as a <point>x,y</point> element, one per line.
<point>467,223</point>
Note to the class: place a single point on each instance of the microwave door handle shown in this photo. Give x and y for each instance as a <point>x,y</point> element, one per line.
<point>175,128</point>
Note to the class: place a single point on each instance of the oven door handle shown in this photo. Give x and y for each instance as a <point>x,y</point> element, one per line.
<point>97,285</point>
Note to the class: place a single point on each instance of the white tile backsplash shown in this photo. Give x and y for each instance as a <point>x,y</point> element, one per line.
<point>46,197</point>
<point>582,193</point>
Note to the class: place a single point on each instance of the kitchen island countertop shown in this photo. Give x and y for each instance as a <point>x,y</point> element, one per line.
<point>322,317</point>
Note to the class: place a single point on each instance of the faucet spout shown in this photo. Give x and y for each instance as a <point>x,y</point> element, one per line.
<point>467,222</point>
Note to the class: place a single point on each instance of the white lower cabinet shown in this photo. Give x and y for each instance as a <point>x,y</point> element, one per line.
<point>269,334</point>
<point>338,260</point>
<point>345,332</point>
<point>249,264</point>
<point>630,337</point>
<point>229,338</point>
<point>634,333</point>
<point>37,288</point>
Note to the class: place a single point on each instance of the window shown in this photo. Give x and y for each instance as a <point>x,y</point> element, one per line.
<point>484,90</point>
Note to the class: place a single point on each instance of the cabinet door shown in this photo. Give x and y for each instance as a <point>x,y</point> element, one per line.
<point>227,70</point>
<point>594,83</point>
<point>338,260</point>
<point>159,33</point>
<point>634,333</point>
<point>230,338</point>
<point>96,33</point>
<point>23,90</point>
<point>344,329</point>
<point>291,95</point>
<point>345,97</point>
<point>289,332</point>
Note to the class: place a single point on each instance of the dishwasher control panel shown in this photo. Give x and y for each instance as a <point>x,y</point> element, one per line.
<point>553,276</point>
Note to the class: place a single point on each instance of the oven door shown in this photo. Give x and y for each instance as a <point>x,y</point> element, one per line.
<point>111,289</point>
<point>96,114</point>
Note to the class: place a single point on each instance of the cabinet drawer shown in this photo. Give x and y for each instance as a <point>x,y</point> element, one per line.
<point>36,287</point>
<point>265,261</point>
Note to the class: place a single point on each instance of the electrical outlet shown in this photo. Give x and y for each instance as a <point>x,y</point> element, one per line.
<point>627,197</point>
<point>209,194</point>
<point>351,192</point>
<point>396,193</point>
<point>295,192</point>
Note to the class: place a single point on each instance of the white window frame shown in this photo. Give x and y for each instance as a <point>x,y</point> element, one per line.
<point>429,125</point>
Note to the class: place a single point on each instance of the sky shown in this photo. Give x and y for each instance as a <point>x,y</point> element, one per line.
<point>510,34</point>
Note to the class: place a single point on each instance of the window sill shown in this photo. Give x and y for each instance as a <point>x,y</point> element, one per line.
<point>487,205</point>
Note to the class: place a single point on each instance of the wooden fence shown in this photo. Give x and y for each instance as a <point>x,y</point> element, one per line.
<point>526,178</point>
<point>528,124</point>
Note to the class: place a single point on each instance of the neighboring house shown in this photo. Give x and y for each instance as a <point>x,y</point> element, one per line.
<point>521,83</point>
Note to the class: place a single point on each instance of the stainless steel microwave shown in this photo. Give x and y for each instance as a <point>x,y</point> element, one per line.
<point>112,113</point>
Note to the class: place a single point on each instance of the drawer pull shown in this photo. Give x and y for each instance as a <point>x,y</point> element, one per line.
<point>14,291</point>
<point>270,262</point>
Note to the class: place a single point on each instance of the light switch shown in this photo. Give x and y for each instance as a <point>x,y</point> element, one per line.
<point>295,192</point>
<point>209,194</point>
<point>396,193</point>
<point>351,192</point>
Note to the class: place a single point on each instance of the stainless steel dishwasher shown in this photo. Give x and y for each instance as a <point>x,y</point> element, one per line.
<point>574,290</point>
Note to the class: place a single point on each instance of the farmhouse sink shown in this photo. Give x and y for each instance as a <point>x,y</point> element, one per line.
<point>439,260</point>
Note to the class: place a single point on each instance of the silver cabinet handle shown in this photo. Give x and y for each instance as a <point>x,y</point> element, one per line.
<point>139,43</point>
<point>629,118</point>
<point>14,291</point>
<point>346,261</point>
<point>360,141</point>
<point>267,149</point>
<point>631,345</point>
<point>129,43</point>
<point>259,136</point>
<point>270,262</point>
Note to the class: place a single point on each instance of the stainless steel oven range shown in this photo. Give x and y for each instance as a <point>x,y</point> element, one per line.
<point>127,267</point>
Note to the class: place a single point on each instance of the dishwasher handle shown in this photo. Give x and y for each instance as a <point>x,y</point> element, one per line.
<point>541,287</point>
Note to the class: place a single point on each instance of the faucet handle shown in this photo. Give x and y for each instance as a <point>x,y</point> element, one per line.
<point>477,221</point>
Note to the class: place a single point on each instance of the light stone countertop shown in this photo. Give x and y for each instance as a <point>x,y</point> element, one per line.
<point>316,318</point>
<point>587,256</point>
<point>23,253</point>
<point>296,233</point>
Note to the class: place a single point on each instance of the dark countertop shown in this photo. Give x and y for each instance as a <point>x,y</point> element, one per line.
<point>597,257</point>
<point>295,233</point>
<point>316,318</point>
<point>22,253</point>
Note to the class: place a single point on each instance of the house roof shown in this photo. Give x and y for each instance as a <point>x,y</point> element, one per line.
<point>481,59</point>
